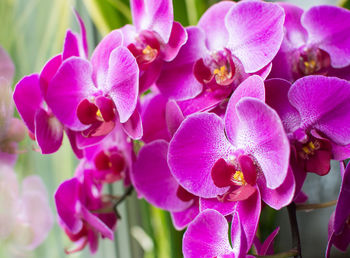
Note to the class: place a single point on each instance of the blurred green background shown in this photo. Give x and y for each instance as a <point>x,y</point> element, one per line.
<point>32,31</point>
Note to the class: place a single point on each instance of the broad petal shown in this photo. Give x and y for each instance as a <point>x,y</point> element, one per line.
<point>260,133</point>
<point>48,132</point>
<point>100,56</point>
<point>173,116</point>
<point>214,28</point>
<point>71,84</point>
<point>252,87</point>
<point>249,213</point>
<point>207,236</point>
<point>153,180</point>
<point>28,99</point>
<point>282,195</point>
<point>198,143</point>
<point>277,98</point>
<point>323,104</point>
<point>133,126</point>
<point>68,204</point>
<point>177,80</point>
<point>178,38</point>
<point>153,118</point>
<point>256,33</point>
<point>122,83</point>
<point>182,218</point>
<point>48,72</point>
<point>225,208</point>
<point>333,37</point>
<point>154,15</point>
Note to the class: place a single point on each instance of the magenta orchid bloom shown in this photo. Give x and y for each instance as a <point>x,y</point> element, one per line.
<point>76,199</point>
<point>313,44</point>
<point>221,53</point>
<point>154,38</point>
<point>315,114</point>
<point>43,125</point>
<point>91,97</point>
<point>339,223</point>
<point>235,163</point>
<point>207,236</point>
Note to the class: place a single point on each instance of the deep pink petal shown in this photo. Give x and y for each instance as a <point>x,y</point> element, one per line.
<point>267,246</point>
<point>122,82</point>
<point>282,195</point>
<point>225,208</point>
<point>197,144</point>
<point>329,35</point>
<point>71,45</point>
<point>182,218</point>
<point>71,84</point>
<point>277,98</point>
<point>100,56</point>
<point>154,15</point>
<point>249,213</point>
<point>256,33</point>
<point>28,99</point>
<point>177,80</point>
<point>48,72</point>
<point>178,38</point>
<point>323,104</point>
<point>173,116</point>
<point>253,87</point>
<point>153,180</point>
<point>207,236</point>
<point>214,27</point>
<point>153,118</point>
<point>260,133</point>
<point>238,237</point>
<point>133,126</point>
<point>48,132</point>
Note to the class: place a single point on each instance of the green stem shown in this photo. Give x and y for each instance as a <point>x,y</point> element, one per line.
<point>295,230</point>
<point>313,206</point>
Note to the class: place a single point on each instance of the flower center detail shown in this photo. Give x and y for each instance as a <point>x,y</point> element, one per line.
<point>312,61</point>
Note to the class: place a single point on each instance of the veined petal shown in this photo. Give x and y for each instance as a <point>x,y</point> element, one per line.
<point>153,180</point>
<point>198,143</point>
<point>256,33</point>
<point>323,103</point>
<point>71,84</point>
<point>122,83</point>
<point>207,236</point>
<point>253,87</point>
<point>330,35</point>
<point>154,15</point>
<point>100,56</point>
<point>214,27</point>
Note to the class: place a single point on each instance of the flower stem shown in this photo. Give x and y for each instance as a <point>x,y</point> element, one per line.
<point>121,199</point>
<point>295,230</point>
<point>314,206</point>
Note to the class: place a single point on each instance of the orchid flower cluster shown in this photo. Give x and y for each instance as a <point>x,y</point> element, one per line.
<point>232,114</point>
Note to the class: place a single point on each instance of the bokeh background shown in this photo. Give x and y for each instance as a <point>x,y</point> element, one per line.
<point>32,31</point>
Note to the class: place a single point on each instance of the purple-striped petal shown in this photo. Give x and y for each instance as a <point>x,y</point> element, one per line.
<point>323,104</point>
<point>198,143</point>
<point>122,82</point>
<point>207,236</point>
<point>256,33</point>
<point>329,35</point>
<point>68,88</point>
<point>216,32</point>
